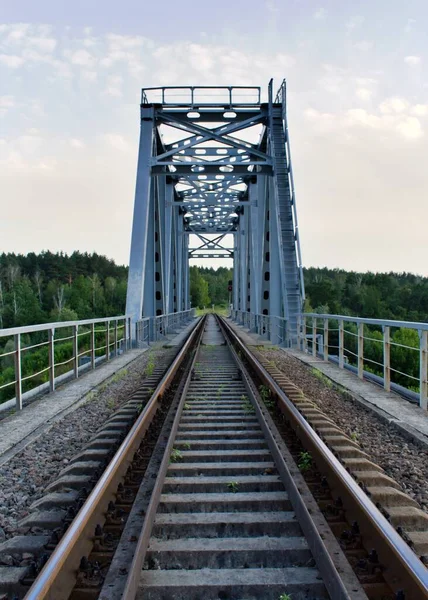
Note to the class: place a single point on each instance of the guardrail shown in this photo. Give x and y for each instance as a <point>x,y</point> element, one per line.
<point>270,327</point>
<point>152,329</point>
<point>35,356</point>
<point>196,96</point>
<point>392,353</point>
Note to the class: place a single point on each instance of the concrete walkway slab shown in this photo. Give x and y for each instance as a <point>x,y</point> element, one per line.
<point>391,408</point>
<point>21,428</point>
<point>249,338</point>
<point>177,339</point>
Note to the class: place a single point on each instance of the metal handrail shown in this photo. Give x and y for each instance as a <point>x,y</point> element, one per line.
<point>317,342</point>
<point>152,329</point>
<point>112,326</point>
<point>189,91</point>
<point>274,328</point>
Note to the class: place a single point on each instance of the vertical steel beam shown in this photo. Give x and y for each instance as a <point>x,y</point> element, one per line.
<point>149,266</point>
<point>256,245</point>
<point>179,236</point>
<point>137,261</point>
<point>236,270</point>
<point>168,249</point>
<point>275,275</point>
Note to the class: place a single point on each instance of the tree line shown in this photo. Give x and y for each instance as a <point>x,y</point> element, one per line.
<point>39,288</point>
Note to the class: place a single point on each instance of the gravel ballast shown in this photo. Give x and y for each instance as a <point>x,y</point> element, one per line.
<point>25,476</point>
<point>401,459</point>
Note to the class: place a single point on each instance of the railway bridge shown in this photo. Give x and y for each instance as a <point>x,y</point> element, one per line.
<point>215,163</point>
<point>268,454</point>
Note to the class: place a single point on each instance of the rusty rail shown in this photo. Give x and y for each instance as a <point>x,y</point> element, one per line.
<point>404,568</point>
<point>54,582</point>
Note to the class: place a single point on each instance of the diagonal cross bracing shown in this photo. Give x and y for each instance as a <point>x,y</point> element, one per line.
<point>215,168</point>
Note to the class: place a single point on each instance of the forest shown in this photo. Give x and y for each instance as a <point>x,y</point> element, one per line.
<point>50,287</point>
<point>39,288</point>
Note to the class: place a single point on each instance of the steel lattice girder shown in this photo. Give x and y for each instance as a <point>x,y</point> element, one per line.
<point>216,162</point>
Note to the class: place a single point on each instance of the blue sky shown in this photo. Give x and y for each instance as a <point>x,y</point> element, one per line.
<point>70,80</point>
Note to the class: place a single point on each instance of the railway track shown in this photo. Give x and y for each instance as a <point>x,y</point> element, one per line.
<point>218,508</point>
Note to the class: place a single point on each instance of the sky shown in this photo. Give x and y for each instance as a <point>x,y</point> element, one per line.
<point>71,75</point>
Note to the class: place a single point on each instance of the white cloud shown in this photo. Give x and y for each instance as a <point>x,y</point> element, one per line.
<point>420,110</point>
<point>78,144</point>
<point>364,94</point>
<point>320,14</point>
<point>114,85</point>
<point>409,25</point>
<point>116,141</point>
<point>6,103</point>
<point>410,128</point>
<point>81,58</point>
<point>394,105</point>
<point>413,61</point>
<point>354,22</point>
<point>12,61</point>
<point>363,45</point>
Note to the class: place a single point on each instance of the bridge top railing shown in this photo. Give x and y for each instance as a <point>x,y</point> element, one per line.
<point>198,96</point>
<point>35,358</point>
<point>388,352</point>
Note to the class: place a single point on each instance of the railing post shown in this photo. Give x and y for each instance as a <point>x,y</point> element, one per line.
<point>51,350</point>
<point>387,358</point>
<point>305,341</point>
<point>341,343</point>
<point>93,345</point>
<point>299,332</point>
<point>325,349</point>
<point>18,372</point>
<point>361,350</point>
<point>423,365</point>
<point>129,342</point>
<point>75,351</point>
<point>115,338</point>
<point>108,340</point>
<point>314,336</point>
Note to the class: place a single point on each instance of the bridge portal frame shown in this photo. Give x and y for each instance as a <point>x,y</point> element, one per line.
<point>214,178</point>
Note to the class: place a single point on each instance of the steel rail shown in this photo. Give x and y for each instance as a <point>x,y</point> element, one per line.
<point>133,579</point>
<point>403,569</point>
<point>339,585</point>
<point>53,582</point>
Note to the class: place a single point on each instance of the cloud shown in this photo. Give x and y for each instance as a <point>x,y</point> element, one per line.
<point>82,58</point>
<point>420,110</point>
<point>363,45</point>
<point>320,14</point>
<point>12,61</point>
<point>409,25</point>
<point>77,144</point>
<point>394,105</point>
<point>116,141</point>
<point>114,85</point>
<point>354,22</point>
<point>364,94</point>
<point>413,61</point>
<point>6,103</point>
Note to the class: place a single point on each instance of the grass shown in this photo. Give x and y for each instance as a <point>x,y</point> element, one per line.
<point>176,456</point>
<point>321,377</point>
<point>285,597</point>
<point>186,446</point>
<point>246,405</point>
<point>266,396</point>
<point>305,461</point>
<point>232,487</point>
<point>150,367</point>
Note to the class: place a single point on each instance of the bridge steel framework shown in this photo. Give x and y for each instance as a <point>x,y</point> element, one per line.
<point>215,160</point>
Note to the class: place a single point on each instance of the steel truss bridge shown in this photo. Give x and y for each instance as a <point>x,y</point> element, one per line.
<point>215,162</point>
